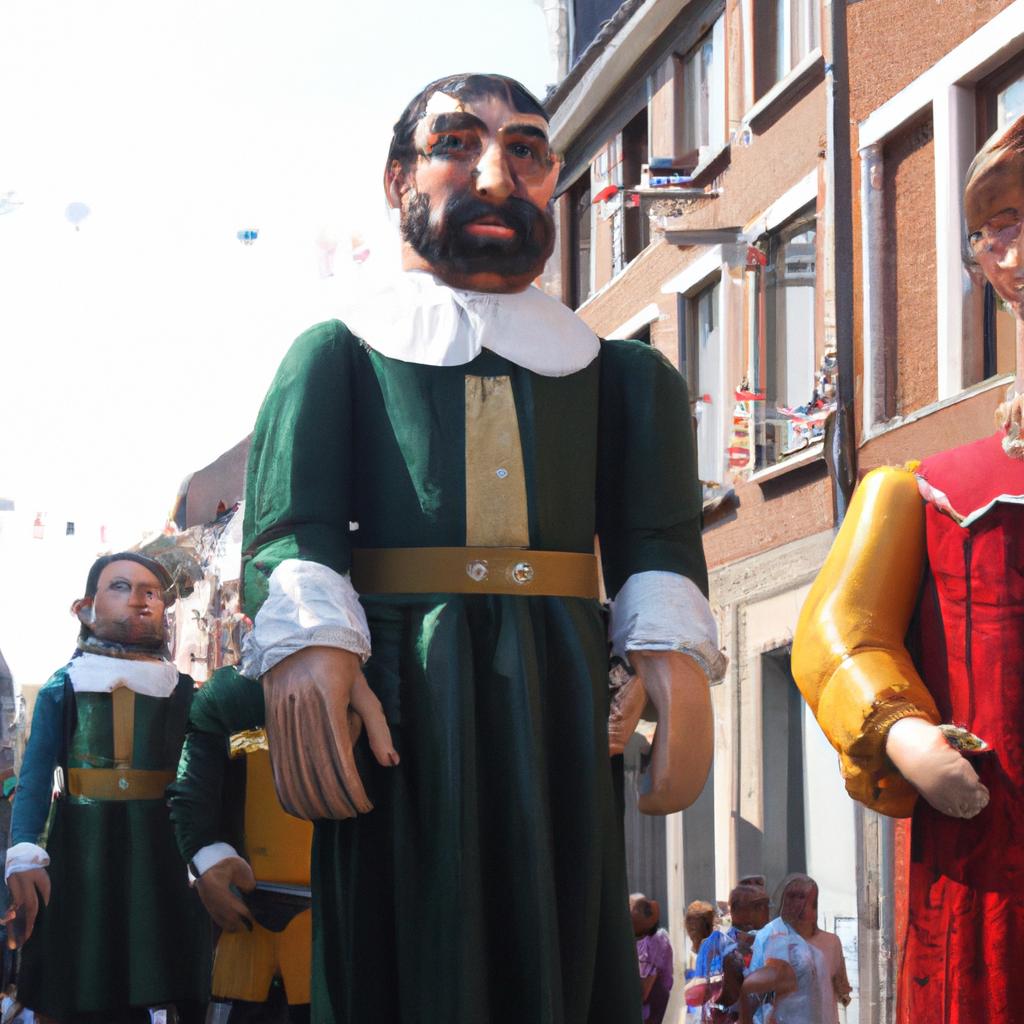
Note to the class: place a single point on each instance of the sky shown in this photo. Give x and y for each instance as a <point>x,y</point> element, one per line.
<point>137,348</point>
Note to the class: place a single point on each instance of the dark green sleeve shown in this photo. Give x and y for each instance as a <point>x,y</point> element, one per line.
<point>298,483</point>
<point>648,493</point>
<point>35,781</point>
<point>206,803</point>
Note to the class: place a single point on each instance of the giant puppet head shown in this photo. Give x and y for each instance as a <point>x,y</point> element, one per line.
<point>471,170</point>
<point>125,597</point>
<point>994,230</point>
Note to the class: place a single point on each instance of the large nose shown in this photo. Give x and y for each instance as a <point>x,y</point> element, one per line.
<point>494,181</point>
<point>142,597</point>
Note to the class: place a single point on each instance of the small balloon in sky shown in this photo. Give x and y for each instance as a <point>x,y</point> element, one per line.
<point>248,235</point>
<point>9,202</point>
<point>75,213</point>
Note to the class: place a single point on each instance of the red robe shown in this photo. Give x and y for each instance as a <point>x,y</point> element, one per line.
<point>962,958</point>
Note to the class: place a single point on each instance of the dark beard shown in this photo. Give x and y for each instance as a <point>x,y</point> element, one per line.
<point>120,634</point>
<point>449,249</point>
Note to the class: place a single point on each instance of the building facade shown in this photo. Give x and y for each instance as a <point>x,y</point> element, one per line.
<point>768,192</point>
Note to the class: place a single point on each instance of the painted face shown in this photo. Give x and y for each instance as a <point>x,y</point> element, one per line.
<point>128,607</point>
<point>476,204</point>
<point>994,208</point>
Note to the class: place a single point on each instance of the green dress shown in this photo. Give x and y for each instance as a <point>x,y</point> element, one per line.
<point>488,884</point>
<point>123,928</point>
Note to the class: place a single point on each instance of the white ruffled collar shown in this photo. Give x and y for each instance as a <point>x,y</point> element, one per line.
<point>96,673</point>
<point>418,319</point>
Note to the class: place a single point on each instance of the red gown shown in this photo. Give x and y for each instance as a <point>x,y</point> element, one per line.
<point>962,958</point>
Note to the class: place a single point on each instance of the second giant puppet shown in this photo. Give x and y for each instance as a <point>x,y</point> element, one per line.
<point>425,484</point>
<point>120,931</point>
<point>910,650</point>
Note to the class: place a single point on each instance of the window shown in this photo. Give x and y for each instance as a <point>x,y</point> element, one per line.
<point>704,96</point>
<point>1000,101</point>
<point>700,359</point>
<point>790,377</point>
<point>579,256</point>
<point>786,31</point>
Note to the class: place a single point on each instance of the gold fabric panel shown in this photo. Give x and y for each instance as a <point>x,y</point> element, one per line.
<point>496,513</point>
<point>124,725</point>
<point>276,844</point>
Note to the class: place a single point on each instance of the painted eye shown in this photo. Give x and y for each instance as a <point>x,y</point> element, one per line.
<point>447,143</point>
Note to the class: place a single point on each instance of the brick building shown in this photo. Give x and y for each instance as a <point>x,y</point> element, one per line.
<point>768,191</point>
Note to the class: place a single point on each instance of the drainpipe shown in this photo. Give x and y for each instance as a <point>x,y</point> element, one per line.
<point>874,833</point>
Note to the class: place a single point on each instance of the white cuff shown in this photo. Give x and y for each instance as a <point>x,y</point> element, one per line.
<point>309,605</point>
<point>24,857</point>
<point>663,611</point>
<point>205,858</point>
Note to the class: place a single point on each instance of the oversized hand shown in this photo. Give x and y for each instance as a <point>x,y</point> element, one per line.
<point>222,904</point>
<point>317,700</point>
<point>939,773</point>
<point>627,705</point>
<point>26,889</point>
<point>681,752</point>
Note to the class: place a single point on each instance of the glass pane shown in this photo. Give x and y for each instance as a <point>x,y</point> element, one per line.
<point>1010,103</point>
<point>704,377</point>
<point>794,416</point>
<point>696,83</point>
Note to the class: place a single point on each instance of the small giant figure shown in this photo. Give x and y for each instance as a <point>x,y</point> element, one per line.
<point>910,651</point>
<point>99,896</point>
<point>425,483</point>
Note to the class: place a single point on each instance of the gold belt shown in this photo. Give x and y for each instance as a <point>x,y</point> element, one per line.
<point>118,783</point>
<point>475,570</point>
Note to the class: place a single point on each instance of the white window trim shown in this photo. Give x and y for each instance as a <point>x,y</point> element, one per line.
<point>788,205</point>
<point>948,88</point>
<point>698,273</point>
<point>646,316</point>
<point>813,63</point>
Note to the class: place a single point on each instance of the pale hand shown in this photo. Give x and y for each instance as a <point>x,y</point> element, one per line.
<point>683,740</point>
<point>26,889</point>
<point>226,908</point>
<point>939,773</point>
<point>317,702</point>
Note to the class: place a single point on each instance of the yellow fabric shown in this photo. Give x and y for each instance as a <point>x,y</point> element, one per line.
<point>245,963</point>
<point>849,658</point>
<point>495,478</point>
<point>277,845</point>
<point>123,701</point>
<point>247,742</point>
<point>118,783</point>
<point>474,571</point>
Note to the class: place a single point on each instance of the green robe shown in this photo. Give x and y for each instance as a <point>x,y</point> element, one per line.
<point>488,884</point>
<point>123,928</point>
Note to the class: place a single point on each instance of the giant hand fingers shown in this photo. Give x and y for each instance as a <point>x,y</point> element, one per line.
<point>365,703</point>
<point>627,705</point>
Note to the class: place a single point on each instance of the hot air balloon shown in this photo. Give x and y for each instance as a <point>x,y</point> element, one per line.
<point>9,202</point>
<point>75,213</point>
<point>248,235</point>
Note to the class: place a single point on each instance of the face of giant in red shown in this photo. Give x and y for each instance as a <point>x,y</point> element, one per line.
<point>475,204</point>
<point>128,607</point>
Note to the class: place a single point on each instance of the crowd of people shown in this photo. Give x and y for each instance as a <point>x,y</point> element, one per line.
<point>741,966</point>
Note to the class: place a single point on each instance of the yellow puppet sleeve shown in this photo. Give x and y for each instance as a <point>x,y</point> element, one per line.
<point>849,658</point>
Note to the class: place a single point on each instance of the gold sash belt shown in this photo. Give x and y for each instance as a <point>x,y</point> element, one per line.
<point>118,783</point>
<point>475,570</point>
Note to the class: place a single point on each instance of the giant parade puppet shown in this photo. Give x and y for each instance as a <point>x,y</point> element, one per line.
<point>910,651</point>
<point>425,484</point>
<point>111,931</point>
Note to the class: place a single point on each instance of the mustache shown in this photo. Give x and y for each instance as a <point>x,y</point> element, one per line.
<point>517,213</point>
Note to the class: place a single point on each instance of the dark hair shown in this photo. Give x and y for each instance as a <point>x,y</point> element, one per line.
<point>462,87</point>
<point>92,581</point>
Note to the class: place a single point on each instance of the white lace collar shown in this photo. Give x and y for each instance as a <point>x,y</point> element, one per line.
<point>96,673</point>
<point>418,319</point>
